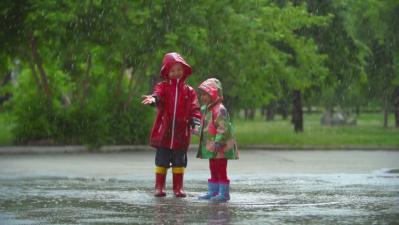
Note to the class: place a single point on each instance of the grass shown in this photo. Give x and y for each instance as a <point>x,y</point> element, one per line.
<point>369,132</point>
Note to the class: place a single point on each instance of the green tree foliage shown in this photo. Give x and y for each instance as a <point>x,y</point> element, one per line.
<point>80,85</point>
<point>82,65</point>
<point>374,23</point>
<point>345,63</point>
<point>258,52</point>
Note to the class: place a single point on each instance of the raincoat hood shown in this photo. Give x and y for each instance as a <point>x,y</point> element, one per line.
<point>169,60</point>
<point>213,87</point>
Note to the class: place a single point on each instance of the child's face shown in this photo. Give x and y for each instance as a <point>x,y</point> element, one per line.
<point>205,98</point>
<point>176,72</point>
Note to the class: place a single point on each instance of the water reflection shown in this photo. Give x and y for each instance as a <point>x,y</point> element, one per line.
<point>188,211</point>
<point>273,199</point>
<point>168,211</point>
<point>218,214</point>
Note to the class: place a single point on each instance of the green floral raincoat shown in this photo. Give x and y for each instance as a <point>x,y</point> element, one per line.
<point>217,138</point>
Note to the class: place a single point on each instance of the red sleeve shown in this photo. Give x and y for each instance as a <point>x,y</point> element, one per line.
<point>158,90</point>
<point>158,93</point>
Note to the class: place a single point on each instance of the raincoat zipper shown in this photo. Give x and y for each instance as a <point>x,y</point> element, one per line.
<point>174,115</point>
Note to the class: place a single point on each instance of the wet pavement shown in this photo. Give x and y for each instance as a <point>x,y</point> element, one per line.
<point>267,187</point>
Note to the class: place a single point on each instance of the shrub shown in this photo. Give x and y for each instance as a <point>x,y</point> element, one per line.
<point>101,120</point>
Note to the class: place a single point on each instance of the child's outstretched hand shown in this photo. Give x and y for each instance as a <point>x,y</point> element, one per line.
<point>147,99</point>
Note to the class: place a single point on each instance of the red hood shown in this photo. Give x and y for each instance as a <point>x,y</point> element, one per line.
<point>169,60</point>
<point>213,87</point>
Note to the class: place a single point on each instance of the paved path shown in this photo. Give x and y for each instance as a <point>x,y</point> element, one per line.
<point>251,161</point>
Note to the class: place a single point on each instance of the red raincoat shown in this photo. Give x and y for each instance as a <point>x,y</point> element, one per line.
<point>177,106</point>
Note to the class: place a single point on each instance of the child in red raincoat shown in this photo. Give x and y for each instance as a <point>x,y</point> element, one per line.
<point>178,111</point>
<point>217,141</point>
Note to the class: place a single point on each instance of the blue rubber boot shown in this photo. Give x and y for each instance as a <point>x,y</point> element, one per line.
<point>224,193</point>
<point>213,189</point>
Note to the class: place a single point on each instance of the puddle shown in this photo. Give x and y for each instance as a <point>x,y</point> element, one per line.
<point>258,199</point>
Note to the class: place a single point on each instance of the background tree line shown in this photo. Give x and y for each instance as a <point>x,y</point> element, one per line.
<point>73,71</point>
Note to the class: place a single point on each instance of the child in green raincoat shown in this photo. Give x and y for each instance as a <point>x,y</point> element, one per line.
<point>217,141</point>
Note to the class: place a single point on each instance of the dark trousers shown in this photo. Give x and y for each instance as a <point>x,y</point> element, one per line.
<point>170,158</point>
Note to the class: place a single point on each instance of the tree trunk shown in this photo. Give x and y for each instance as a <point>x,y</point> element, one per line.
<point>386,112</point>
<point>35,77</point>
<point>118,88</point>
<point>309,109</point>
<point>297,113</point>
<point>357,110</point>
<point>263,110</point>
<point>284,113</point>
<point>396,102</point>
<point>131,89</point>
<point>283,108</point>
<point>249,114</point>
<point>246,114</point>
<point>85,81</point>
<point>7,95</point>
<point>6,79</point>
<point>270,112</point>
<point>39,63</point>
<point>5,98</point>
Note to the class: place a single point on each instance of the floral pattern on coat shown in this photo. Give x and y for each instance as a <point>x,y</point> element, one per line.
<point>216,126</point>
